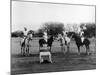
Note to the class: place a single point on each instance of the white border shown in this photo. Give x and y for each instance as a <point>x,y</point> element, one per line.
<point>5,36</point>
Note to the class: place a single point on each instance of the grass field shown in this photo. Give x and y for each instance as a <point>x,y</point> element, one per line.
<point>68,62</point>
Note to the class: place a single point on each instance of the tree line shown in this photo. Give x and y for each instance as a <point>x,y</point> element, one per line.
<point>54,28</point>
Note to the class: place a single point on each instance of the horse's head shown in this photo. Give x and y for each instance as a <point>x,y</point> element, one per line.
<point>72,35</point>
<point>51,38</point>
<point>29,36</point>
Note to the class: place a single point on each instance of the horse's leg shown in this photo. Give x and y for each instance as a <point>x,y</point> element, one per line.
<point>50,49</point>
<point>87,50</point>
<point>62,49</point>
<point>24,51</point>
<point>21,51</point>
<point>40,59</point>
<point>28,45</point>
<point>78,50</point>
<point>28,50</point>
<point>68,47</point>
<point>50,58</point>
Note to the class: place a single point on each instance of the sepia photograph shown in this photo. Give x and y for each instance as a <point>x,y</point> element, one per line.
<point>52,37</point>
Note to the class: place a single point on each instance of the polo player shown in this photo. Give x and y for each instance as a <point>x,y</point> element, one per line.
<point>25,31</point>
<point>81,33</point>
<point>82,36</point>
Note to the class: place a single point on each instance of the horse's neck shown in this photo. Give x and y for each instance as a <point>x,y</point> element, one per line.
<point>78,38</point>
<point>26,40</point>
<point>51,38</point>
<point>62,39</point>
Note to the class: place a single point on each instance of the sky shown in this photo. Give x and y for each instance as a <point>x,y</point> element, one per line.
<point>32,15</point>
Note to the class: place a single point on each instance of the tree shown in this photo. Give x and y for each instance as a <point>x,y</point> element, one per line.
<point>53,28</point>
<point>90,30</point>
<point>39,33</point>
<point>17,34</point>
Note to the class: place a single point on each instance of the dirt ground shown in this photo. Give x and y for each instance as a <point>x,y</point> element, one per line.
<point>69,62</point>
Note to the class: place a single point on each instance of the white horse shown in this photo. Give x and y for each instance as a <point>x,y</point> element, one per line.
<point>64,41</point>
<point>25,43</point>
<point>67,42</point>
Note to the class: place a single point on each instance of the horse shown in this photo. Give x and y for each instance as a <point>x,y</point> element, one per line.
<point>80,43</point>
<point>48,42</point>
<point>67,39</point>
<point>25,44</point>
<point>64,41</point>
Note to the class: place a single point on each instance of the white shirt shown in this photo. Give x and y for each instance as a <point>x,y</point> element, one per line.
<point>45,36</point>
<point>79,29</point>
<point>25,33</point>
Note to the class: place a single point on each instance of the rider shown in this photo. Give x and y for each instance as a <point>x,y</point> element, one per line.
<point>25,34</point>
<point>81,33</point>
<point>45,37</point>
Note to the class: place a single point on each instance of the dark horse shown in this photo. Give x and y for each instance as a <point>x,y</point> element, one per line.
<point>49,42</point>
<point>79,43</point>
